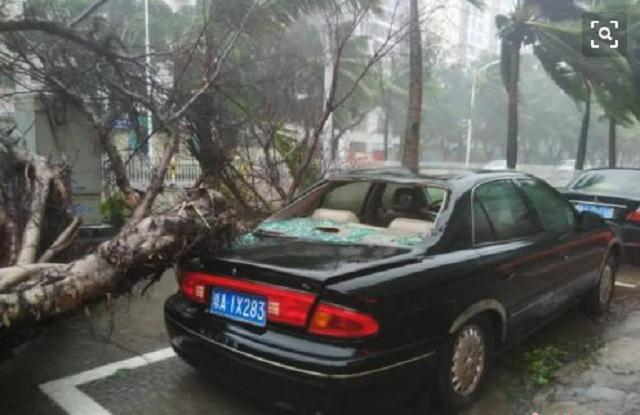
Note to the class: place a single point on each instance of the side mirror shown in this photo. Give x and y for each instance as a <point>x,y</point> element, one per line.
<point>589,220</point>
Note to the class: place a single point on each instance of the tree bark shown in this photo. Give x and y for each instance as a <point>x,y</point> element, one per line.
<point>584,134</point>
<point>36,291</point>
<point>410,156</point>
<point>512,123</point>
<point>612,143</point>
<point>40,185</point>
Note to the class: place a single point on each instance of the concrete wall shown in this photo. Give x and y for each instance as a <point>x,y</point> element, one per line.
<point>60,132</point>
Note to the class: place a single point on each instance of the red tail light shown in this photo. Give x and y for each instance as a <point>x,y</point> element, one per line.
<point>335,321</point>
<point>634,216</point>
<point>284,305</point>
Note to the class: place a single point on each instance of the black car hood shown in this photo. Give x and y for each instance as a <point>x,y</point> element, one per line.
<point>317,261</point>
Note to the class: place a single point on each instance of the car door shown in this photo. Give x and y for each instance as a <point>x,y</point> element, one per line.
<point>579,257</point>
<point>511,242</point>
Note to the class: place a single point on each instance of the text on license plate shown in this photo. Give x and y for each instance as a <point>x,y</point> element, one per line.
<point>237,306</point>
<point>604,211</point>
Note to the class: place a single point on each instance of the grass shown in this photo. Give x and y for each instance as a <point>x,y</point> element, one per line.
<point>537,364</point>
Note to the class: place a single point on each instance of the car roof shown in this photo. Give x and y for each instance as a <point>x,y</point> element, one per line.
<point>436,176</point>
<point>611,168</point>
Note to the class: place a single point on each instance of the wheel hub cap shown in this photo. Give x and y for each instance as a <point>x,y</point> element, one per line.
<point>468,361</point>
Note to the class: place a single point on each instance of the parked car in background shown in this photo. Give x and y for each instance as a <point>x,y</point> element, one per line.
<point>568,164</point>
<point>496,165</point>
<point>374,285</point>
<point>613,194</point>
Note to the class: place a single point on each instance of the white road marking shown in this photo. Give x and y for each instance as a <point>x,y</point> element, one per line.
<point>625,285</point>
<point>73,401</point>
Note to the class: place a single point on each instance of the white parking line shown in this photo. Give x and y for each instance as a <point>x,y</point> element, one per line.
<point>625,285</point>
<point>73,401</point>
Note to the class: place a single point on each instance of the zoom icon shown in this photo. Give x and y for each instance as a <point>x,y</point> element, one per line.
<point>604,34</point>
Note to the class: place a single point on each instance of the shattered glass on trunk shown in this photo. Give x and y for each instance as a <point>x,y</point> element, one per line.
<point>330,232</point>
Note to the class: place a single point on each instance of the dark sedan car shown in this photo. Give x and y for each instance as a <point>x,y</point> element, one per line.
<point>372,287</point>
<point>613,194</point>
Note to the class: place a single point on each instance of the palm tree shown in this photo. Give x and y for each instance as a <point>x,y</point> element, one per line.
<point>411,152</point>
<point>553,29</point>
<point>612,142</point>
<point>620,111</point>
<point>410,157</point>
<point>581,153</point>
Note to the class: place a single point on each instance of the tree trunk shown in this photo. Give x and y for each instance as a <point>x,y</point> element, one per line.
<point>386,133</point>
<point>612,143</point>
<point>584,134</point>
<point>410,156</point>
<point>512,124</point>
<point>146,248</point>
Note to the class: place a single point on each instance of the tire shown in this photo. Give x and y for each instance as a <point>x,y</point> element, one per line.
<point>598,299</point>
<point>458,385</point>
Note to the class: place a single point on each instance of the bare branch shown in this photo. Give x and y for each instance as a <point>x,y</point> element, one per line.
<point>87,12</point>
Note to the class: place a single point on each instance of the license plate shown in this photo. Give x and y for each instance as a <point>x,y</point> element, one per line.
<point>237,306</point>
<point>603,211</point>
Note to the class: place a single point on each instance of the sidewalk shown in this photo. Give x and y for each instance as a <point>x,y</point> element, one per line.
<point>608,382</point>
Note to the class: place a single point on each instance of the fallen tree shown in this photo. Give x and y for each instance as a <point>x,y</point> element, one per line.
<point>30,292</point>
<point>33,288</point>
<point>89,64</point>
<point>99,72</point>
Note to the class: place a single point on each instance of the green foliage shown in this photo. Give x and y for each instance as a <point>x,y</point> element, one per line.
<point>537,364</point>
<point>294,154</point>
<point>114,210</point>
<point>366,96</point>
<point>554,30</point>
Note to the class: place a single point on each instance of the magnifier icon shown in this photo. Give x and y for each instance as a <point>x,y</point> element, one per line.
<point>604,33</point>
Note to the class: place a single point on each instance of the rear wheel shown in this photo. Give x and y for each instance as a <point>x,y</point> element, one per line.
<point>598,299</point>
<point>464,363</point>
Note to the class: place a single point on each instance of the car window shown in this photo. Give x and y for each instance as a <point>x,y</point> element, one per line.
<point>508,214</point>
<point>555,214</point>
<point>350,196</point>
<point>482,228</point>
<point>431,195</point>
<point>615,182</point>
<point>434,195</point>
<point>387,196</point>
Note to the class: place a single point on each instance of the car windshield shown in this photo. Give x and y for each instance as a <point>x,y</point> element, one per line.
<point>619,182</point>
<point>361,212</point>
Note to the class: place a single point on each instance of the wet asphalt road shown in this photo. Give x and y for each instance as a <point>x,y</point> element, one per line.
<point>132,327</point>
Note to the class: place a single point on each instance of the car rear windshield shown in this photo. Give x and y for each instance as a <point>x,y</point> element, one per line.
<point>362,212</point>
<point>615,182</point>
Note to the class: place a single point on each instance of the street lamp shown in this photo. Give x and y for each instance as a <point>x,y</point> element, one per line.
<point>476,76</point>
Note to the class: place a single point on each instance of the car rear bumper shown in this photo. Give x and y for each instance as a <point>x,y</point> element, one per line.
<point>277,378</point>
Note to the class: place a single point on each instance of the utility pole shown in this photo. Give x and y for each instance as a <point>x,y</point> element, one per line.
<point>148,82</point>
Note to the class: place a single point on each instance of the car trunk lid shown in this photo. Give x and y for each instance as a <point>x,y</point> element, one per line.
<point>296,263</point>
<point>621,206</point>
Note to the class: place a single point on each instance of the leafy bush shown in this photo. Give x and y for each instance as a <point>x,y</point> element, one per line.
<point>114,210</point>
<point>538,364</point>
